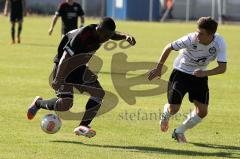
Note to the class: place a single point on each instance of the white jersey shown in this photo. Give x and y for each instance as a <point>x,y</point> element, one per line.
<point>193,55</point>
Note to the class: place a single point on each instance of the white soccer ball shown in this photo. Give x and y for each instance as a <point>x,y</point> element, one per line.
<point>51,123</point>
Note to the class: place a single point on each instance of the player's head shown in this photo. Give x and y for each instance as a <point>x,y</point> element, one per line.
<point>106,29</point>
<point>207,27</point>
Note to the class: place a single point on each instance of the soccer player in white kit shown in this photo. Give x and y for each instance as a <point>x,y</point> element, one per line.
<point>190,74</point>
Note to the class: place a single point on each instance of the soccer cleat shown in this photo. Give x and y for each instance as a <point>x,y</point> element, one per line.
<point>179,137</point>
<point>164,123</point>
<point>85,131</point>
<point>32,110</point>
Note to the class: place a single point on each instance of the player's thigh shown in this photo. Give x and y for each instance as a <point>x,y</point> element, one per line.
<point>199,91</point>
<point>94,89</point>
<point>85,80</point>
<point>177,88</point>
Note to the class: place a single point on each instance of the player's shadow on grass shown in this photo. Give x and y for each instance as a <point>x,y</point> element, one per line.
<point>214,146</point>
<point>144,149</point>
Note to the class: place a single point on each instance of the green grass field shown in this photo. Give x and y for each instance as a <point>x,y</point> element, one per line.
<point>24,71</point>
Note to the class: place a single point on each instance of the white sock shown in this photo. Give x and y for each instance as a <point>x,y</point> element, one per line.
<point>192,120</point>
<point>166,114</point>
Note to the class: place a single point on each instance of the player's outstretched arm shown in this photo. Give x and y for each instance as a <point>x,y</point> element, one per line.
<point>156,72</point>
<point>221,68</point>
<point>122,36</point>
<point>5,12</point>
<point>54,21</point>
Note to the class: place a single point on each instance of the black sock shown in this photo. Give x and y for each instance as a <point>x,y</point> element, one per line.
<point>47,104</point>
<point>13,33</point>
<point>91,110</point>
<point>19,30</point>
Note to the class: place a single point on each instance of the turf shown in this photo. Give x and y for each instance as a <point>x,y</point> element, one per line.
<point>127,131</point>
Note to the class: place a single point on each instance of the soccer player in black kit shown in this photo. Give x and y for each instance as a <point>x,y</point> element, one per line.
<point>74,52</point>
<point>17,11</point>
<point>69,11</point>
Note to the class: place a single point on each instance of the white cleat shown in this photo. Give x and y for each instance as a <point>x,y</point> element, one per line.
<point>84,131</point>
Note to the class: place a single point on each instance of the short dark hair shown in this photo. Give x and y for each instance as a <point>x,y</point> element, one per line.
<point>207,23</point>
<point>108,23</point>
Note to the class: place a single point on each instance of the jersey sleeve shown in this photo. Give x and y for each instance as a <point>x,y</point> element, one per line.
<point>183,42</point>
<point>60,11</point>
<point>80,11</point>
<point>222,53</point>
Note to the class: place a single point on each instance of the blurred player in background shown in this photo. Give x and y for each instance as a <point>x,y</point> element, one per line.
<point>190,74</point>
<point>17,11</point>
<point>84,41</point>
<point>69,11</point>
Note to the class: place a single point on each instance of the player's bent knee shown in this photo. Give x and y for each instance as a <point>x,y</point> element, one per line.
<point>64,104</point>
<point>100,93</point>
<point>201,109</point>
<point>97,99</point>
<point>174,108</point>
<point>202,113</point>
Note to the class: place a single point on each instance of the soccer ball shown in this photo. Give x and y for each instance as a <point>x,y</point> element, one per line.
<point>51,123</point>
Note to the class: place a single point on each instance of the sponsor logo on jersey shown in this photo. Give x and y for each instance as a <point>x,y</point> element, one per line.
<point>71,15</point>
<point>212,50</point>
<point>194,46</point>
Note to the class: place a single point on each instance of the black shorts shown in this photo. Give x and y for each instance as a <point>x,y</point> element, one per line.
<point>181,83</point>
<point>81,75</point>
<point>81,78</point>
<point>16,17</point>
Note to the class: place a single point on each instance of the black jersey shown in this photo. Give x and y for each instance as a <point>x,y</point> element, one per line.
<point>69,14</point>
<point>16,10</point>
<point>79,41</point>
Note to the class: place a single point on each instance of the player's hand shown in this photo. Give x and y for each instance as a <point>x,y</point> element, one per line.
<point>154,73</point>
<point>50,31</point>
<point>131,40</point>
<point>199,73</point>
